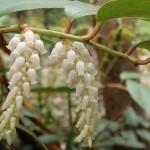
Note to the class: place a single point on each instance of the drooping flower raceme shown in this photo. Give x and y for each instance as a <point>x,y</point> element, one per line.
<point>76,62</point>
<point>25,58</point>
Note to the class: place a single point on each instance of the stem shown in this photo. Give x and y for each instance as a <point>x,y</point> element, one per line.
<point>57,34</point>
<point>112,52</point>
<point>69,25</point>
<point>72,37</point>
<point>93,32</point>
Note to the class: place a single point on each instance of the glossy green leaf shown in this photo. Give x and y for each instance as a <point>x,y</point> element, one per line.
<point>139,9</point>
<point>9,6</point>
<point>133,75</point>
<point>144,44</point>
<point>78,9</point>
<point>140,94</point>
<point>31,134</point>
<point>52,90</point>
<point>144,134</point>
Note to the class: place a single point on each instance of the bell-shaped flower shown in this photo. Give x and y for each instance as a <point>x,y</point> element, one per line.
<point>71,55</point>
<point>26,88</point>
<point>19,101</point>
<point>91,69</point>
<point>29,36</point>
<point>80,89</point>
<point>15,78</point>
<point>85,101</point>
<point>21,48</point>
<point>39,45</point>
<point>18,63</point>
<point>35,61</point>
<point>13,43</point>
<point>80,68</point>
<point>32,75</point>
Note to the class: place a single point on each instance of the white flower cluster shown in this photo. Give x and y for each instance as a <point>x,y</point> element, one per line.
<point>24,55</point>
<point>76,61</point>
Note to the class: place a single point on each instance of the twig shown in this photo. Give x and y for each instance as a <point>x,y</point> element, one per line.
<point>76,38</point>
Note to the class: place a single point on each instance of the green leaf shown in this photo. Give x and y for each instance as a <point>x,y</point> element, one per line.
<point>140,94</point>
<point>52,90</point>
<point>78,9</point>
<point>133,75</point>
<point>145,134</point>
<point>144,44</point>
<point>9,6</point>
<point>131,117</point>
<point>129,139</point>
<point>49,138</point>
<point>138,9</point>
<point>31,134</point>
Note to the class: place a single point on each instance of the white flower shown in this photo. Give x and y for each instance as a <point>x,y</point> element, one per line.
<point>39,45</point>
<point>77,64</point>
<point>26,89</point>
<point>32,76</point>
<point>35,59</point>
<point>80,68</point>
<point>13,43</point>
<point>29,36</point>
<point>71,55</point>
<point>21,75</point>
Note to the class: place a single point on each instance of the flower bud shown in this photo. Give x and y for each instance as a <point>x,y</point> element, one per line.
<point>67,65</point>
<point>91,69</point>
<point>93,93</point>
<point>71,55</point>
<point>88,114</point>
<point>81,120</point>
<point>79,138</point>
<point>18,63</point>
<point>10,97</point>
<point>8,114</point>
<point>26,89</point>
<point>39,45</point>
<point>53,60</point>
<point>85,131</point>
<point>72,76</point>
<point>29,36</point>
<point>83,51</point>
<point>87,79</point>
<point>19,101</point>
<point>32,76</point>
<point>9,136</point>
<point>15,78</point>
<point>79,89</point>
<point>89,141</point>
<point>35,61</point>
<point>12,123</point>
<point>85,101</point>
<point>13,55</point>
<point>21,48</point>
<point>80,68</point>
<point>2,125</point>
<point>13,43</point>
<point>59,48</point>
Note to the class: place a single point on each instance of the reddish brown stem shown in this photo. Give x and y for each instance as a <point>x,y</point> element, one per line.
<point>68,27</point>
<point>93,32</point>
